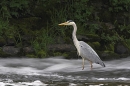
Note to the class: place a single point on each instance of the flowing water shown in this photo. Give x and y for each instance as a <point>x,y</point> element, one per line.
<point>57,71</point>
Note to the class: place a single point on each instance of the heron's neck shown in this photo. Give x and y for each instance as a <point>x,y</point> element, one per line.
<point>74,33</point>
<point>75,40</point>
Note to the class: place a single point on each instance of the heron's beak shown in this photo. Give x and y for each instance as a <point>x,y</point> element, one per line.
<point>65,23</point>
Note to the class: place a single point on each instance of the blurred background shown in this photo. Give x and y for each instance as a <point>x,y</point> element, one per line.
<point>30,27</point>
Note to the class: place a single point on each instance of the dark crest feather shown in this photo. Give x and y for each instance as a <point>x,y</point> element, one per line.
<point>70,21</point>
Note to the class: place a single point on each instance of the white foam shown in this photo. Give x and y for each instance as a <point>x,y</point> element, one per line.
<point>72,84</point>
<point>35,83</point>
<point>57,67</point>
<point>122,78</point>
<point>117,79</point>
<point>2,84</point>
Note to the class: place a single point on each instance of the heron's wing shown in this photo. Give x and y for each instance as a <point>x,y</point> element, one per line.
<point>87,52</point>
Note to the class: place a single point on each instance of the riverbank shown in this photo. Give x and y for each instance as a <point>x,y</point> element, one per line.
<point>30,28</point>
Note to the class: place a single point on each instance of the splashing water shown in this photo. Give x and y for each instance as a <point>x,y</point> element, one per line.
<point>55,70</point>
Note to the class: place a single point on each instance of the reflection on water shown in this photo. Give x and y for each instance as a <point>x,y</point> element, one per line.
<point>57,70</point>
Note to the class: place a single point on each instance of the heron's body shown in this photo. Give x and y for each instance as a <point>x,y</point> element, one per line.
<point>83,49</point>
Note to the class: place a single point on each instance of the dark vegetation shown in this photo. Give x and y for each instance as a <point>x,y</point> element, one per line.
<point>32,25</point>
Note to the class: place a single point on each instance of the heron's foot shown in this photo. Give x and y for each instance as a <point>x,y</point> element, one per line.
<point>83,64</point>
<point>91,65</point>
<point>83,68</point>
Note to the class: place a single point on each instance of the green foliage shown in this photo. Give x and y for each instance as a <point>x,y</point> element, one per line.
<point>93,28</point>
<point>6,30</point>
<point>15,8</point>
<point>76,10</point>
<point>124,28</point>
<point>60,54</point>
<point>52,12</point>
<point>80,10</point>
<point>127,43</point>
<point>108,37</point>
<point>119,5</point>
<point>3,26</point>
<point>8,10</point>
<point>56,18</point>
<point>41,42</point>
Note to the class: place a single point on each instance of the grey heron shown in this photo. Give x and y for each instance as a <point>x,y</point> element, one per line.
<point>83,49</point>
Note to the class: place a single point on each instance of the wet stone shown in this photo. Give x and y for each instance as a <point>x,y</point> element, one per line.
<point>11,50</point>
<point>121,49</point>
<point>28,49</point>
<point>61,47</point>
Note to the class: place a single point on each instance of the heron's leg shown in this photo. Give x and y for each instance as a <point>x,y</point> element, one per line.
<point>91,65</point>
<point>83,64</point>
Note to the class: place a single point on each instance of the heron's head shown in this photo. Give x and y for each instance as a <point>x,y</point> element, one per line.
<point>69,22</point>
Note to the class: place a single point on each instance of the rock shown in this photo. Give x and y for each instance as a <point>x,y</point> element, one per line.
<point>108,55</point>
<point>88,37</point>
<point>83,38</point>
<point>28,50</point>
<point>11,50</point>
<point>3,54</point>
<point>10,42</point>
<point>109,26</point>
<point>120,49</point>
<point>61,47</point>
<point>2,41</point>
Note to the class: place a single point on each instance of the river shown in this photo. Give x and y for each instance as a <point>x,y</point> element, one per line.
<point>57,71</point>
